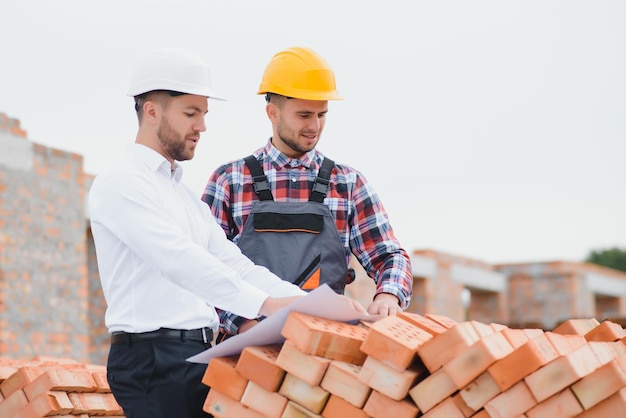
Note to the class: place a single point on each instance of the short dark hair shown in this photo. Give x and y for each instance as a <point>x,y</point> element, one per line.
<point>161,96</point>
<point>141,98</point>
<point>277,98</point>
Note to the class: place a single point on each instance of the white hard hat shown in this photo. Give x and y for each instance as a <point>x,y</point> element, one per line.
<point>172,69</point>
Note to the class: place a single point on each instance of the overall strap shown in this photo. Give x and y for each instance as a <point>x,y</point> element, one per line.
<point>321,183</point>
<point>261,185</point>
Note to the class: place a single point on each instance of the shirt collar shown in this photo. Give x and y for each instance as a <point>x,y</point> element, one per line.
<point>155,161</point>
<point>310,160</point>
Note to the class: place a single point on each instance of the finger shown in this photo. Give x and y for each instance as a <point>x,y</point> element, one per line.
<point>373,309</point>
<point>358,307</point>
<point>377,308</point>
<point>383,310</point>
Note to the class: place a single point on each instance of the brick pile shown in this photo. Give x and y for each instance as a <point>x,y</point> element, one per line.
<point>57,387</point>
<point>411,365</point>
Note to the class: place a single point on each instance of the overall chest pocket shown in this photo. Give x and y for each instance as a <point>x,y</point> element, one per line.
<point>288,222</point>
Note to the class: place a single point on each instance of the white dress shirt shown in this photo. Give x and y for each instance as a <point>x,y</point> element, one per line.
<point>163,259</point>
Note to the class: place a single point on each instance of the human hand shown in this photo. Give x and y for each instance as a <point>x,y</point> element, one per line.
<point>384,304</point>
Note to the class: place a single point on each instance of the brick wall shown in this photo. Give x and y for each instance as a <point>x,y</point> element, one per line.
<point>11,126</point>
<point>485,305</point>
<point>99,337</point>
<point>549,293</point>
<point>44,281</point>
<point>441,280</point>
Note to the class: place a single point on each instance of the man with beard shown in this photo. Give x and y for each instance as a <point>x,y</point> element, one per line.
<point>293,210</point>
<point>164,263</point>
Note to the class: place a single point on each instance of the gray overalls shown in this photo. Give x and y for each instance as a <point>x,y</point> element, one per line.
<point>297,241</point>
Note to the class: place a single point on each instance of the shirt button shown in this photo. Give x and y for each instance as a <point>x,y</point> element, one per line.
<point>293,180</point>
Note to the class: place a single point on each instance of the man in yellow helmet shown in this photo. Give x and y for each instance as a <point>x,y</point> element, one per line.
<point>295,211</point>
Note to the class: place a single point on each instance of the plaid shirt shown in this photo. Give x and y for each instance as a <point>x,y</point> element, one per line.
<point>360,217</point>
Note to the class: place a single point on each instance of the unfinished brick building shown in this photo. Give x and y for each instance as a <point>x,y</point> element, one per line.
<point>51,302</point>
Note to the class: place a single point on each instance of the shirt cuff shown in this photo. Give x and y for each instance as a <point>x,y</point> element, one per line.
<point>249,302</point>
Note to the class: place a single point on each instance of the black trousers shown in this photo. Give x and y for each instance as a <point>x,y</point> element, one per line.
<point>151,379</point>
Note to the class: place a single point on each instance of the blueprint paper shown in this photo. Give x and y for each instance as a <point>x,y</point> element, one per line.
<point>322,302</point>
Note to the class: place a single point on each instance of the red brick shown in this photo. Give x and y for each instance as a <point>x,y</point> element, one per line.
<point>618,347</point>
<point>564,343</point>
<point>48,403</point>
<point>293,410</point>
<point>498,327</point>
<point>394,342</point>
<point>432,390</point>
<point>519,337</point>
<point>94,403</point>
<point>223,406</point>
<point>533,332</point>
<point>447,409</point>
<point>390,382</point>
<point>511,403</point>
<point>602,383</point>
<point>66,361</point>
<point>562,405</point>
<point>613,406</point>
<point>576,326</point>
<point>521,362</point>
<point>221,374</point>
<point>462,406</point>
<point>483,330</point>
<point>313,398</point>
<point>309,368</point>
<point>562,372</point>
<point>61,379</point>
<point>326,338</point>
<point>19,379</point>
<point>469,364</point>
<point>339,408</point>
<point>442,320</point>
<point>381,406</point>
<point>606,331</point>
<point>442,348</point>
<point>606,351</point>
<point>365,325</point>
<point>13,403</point>
<point>480,391</point>
<point>100,377</point>
<point>258,364</point>
<point>515,337</point>
<point>425,324</point>
<point>342,380</point>
<point>7,368</point>
<point>270,404</point>
<point>85,416</point>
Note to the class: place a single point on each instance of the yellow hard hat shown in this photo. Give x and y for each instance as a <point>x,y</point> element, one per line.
<point>300,73</point>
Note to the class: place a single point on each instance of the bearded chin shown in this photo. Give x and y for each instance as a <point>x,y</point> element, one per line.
<point>293,145</point>
<point>173,143</point>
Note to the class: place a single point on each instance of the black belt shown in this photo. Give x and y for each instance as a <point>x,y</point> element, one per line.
<point>202,334</point>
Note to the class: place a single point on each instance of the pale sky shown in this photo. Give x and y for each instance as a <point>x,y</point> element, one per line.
<point>494,130</point>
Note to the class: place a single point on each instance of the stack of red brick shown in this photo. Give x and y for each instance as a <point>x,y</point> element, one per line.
<point>57,387</point>
<point>424,366</point>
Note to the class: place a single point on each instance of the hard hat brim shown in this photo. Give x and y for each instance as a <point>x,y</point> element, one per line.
<point>209,94</point>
